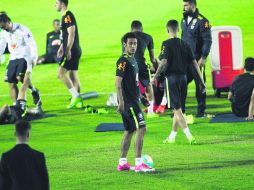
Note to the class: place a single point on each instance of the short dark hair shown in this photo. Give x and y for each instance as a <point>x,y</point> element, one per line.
<point>56,20</point>
<point>136,24</point>
<point>249,64</point>
<point>22,127</point>
<point>129,35</point>
<point>4,17</point>
<point>173,24</point>
<point>191,2</point>
<point>66,2</point>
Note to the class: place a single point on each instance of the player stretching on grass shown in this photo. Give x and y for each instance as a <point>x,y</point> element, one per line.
<point>23,54</point>
<point>70,52</point>
<point>128,98</point>
<point>145,41</point>
<point>175,57</point>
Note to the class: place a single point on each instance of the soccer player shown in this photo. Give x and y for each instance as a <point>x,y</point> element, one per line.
<point>242,92</point>
<point>196,32</point>
<point>175,57</point>
<point>23,54</point>
<point>145,41</point>
<point>128,98</point>
<point>52,45</point>
<point>70,52</point>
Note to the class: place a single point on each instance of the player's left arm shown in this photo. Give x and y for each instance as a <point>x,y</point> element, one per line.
<point>206,36</point>
<point>251,107</point>
<point>71,37</point>
<point>31,44</point>
<point>163,63</point>
<point>151,52</point>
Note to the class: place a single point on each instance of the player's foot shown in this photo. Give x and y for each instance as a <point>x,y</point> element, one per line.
<point>152,115</point>
<point>75,102</point>
<point>124,167</point>
<point>37,97</point>
<point>189,119</point>
<point>143,168</point>
<point>200,115</point>
<point>192,141</point>
<point>161,109</point>
<point>144,101</point>
<point>169,141</point>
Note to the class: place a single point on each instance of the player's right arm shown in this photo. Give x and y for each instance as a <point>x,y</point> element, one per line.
<point>120,72</point>
<point>251,107</point>
<point>3,43</point>
<point>60,51</point>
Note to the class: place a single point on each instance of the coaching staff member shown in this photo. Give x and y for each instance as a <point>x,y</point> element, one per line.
<point>23,168</point>
<point>196,32</point>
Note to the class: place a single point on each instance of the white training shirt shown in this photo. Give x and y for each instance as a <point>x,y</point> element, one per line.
<point>21,44</point>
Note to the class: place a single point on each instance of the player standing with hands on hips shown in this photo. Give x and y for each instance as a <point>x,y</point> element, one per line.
<point>196,32</point>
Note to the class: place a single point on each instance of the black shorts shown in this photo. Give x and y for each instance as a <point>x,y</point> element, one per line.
<point>51,58</point>
<point>16,68</point>
<point>177,88</point>
<point>133,117</point>
<point>72,64</point>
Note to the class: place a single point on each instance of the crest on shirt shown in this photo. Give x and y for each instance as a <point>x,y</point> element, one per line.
<point>67,19</point>
<point>121,66</point>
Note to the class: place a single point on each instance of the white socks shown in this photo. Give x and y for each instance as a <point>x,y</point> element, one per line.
<point>74,92</point>
<point>164,101</point>
<point>172,135</point>
<point>187,133</point>
<point>150,108</point>
<point>138,161</point>
<point>122,161</point>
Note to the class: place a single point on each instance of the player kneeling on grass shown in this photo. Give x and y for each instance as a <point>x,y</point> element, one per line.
<point>128,98</point>
<point>175,57</point>
<point>242,92</point>
<point>23,54</point>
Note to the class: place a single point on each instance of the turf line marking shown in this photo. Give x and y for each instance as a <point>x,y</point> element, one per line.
<point>100,93</point>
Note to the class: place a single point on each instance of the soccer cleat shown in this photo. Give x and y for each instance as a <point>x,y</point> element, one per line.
<point>192,141</point>
<point>144,101</point>
<point>200,115</point>
<point>161,109</point>
<point>37,97</point>
<point>74,102</point>
<point>143,168</point>
<point>169,141</point>
<point>124,167</point>
<point>189,119</point>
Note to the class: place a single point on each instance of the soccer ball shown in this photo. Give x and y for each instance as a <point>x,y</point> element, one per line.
<point>148,160</point>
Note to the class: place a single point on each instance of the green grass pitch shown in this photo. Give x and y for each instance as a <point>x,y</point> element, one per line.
<point>80,159</point>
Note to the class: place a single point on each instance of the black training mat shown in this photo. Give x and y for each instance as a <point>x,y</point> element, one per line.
<point>104,127</point>
<point>228,118</point>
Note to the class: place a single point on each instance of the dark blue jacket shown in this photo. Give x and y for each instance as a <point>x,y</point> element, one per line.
<point>197,34</point>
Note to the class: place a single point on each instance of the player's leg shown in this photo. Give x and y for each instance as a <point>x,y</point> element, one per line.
<point>62,75</point>
<point>200,95</point>
<point>14,91</point>
<point>68,65</point>
<point>75,80</point>
<point>126,141</point>
<point>138,124</point>
<point>12,80</point>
